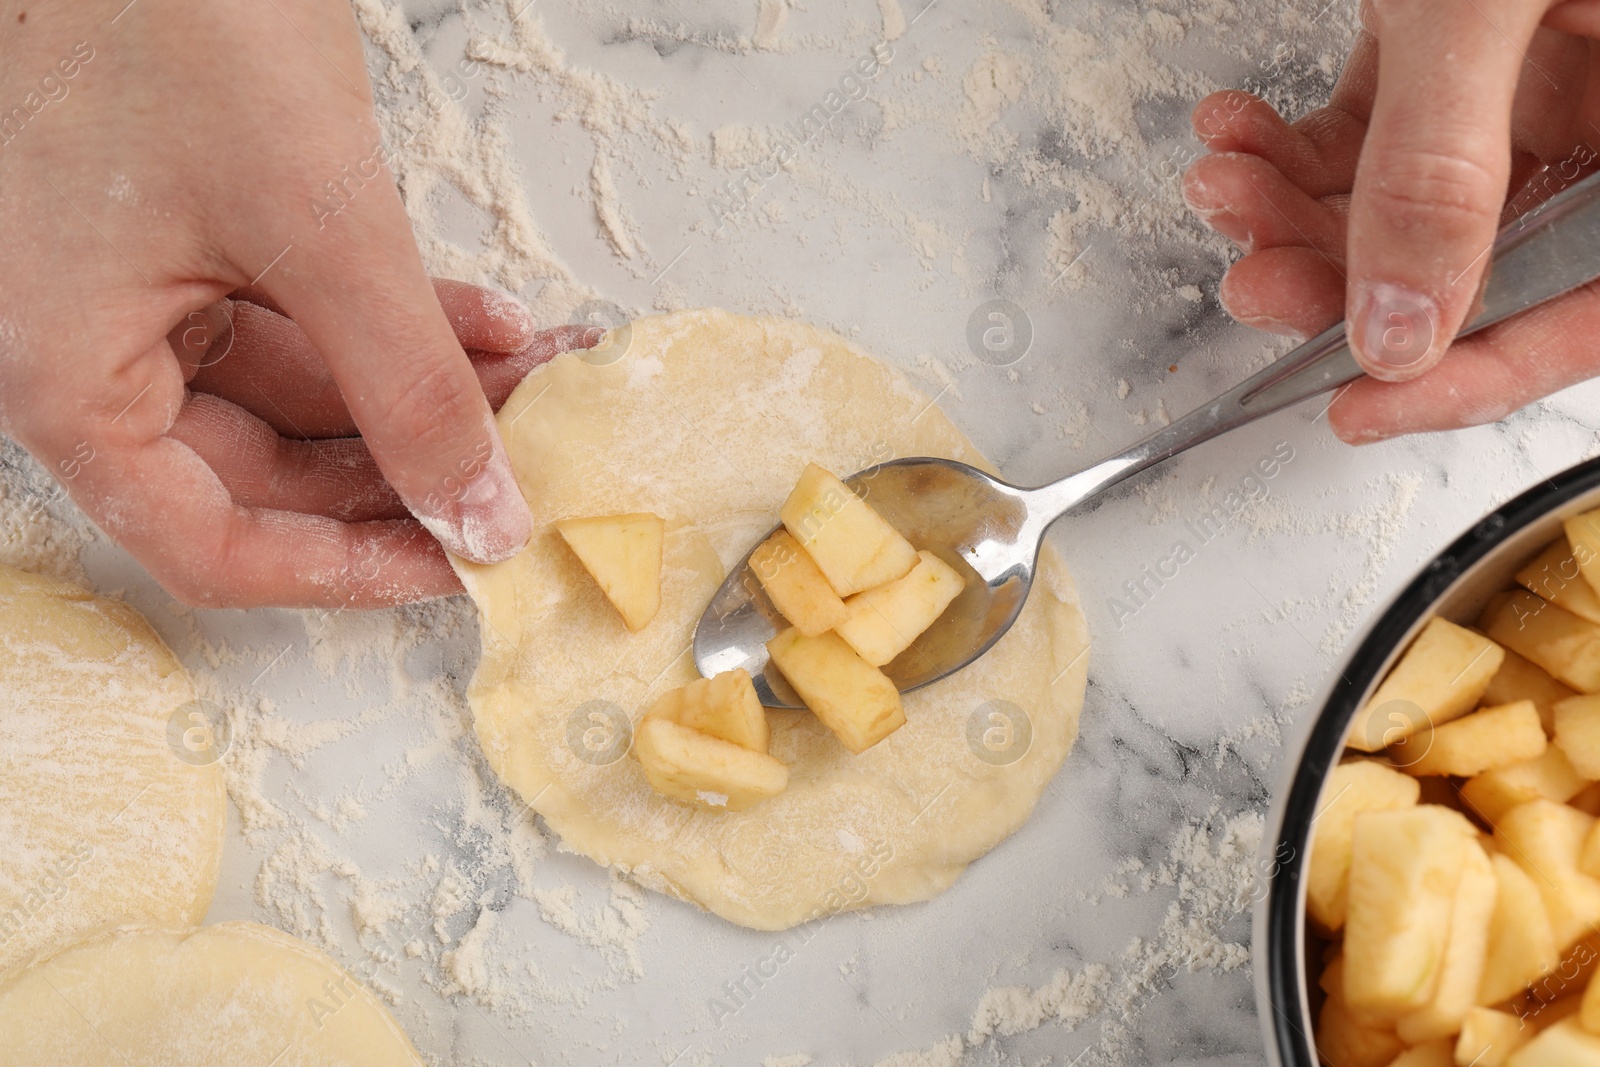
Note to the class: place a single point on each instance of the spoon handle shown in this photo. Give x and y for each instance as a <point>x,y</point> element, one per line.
<point>1548,251</point>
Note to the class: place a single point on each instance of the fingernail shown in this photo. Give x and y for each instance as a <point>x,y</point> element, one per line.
<point>1361,437</point>
<point>1225,222</point>
<point>1229,225</point>
<point>504,307</point>
<point>494,519</point>
<point>485,519</point>
<point>1282,329</point>
<point>481,490</point>
<point>1203,200</point>
<point>1394,330</point>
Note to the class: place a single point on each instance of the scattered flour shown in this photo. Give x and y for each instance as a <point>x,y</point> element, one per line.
<point>1211,869</point>
<point>468,966</point>
<point>894,19</point>
<point>32,536</point>
<point>770,18</point>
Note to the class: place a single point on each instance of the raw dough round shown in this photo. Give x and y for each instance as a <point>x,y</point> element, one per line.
<point>102,822</point>
<point>233,993</point>
<point>707,419</point>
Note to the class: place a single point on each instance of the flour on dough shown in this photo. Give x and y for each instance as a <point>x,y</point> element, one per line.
<point>232,993</point>
<point>102,822</point>
<point>707,419</point>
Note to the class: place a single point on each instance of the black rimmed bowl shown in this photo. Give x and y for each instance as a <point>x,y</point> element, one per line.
<point>1455,585</point>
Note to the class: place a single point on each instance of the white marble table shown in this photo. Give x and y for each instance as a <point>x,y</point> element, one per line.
<point>368,821</point>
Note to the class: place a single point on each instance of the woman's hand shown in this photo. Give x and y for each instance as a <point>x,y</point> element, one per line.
<point>156,156</point>
<point>1450,117</point>
<point>263,411</point>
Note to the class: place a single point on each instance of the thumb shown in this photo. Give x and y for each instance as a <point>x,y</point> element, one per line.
<point>1432,178</point>
<point>358,289</point>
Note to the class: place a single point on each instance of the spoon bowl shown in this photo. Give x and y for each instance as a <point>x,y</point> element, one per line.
<point>959,513</point>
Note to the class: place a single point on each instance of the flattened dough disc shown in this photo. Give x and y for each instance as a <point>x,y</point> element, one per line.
<point>102,822</point>
<point>235,993</point>
<point>707,419</point>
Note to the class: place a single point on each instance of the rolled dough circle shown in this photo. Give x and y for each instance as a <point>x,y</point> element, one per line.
<point>104,820</point>
<point>233,993</point>
<point>707,420</point>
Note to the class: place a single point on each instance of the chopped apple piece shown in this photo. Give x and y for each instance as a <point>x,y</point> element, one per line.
<point>853,698</point>
<point>1352,788</point>
<point>884,621</point>
<point>1577,724</point>
<point>1557,640</point>
<point>1522,945</point>
<point>796,586</point>
<point>1433,1054</point>
<point>1482,741</point>
<point>689,765</point>
<point>724,707</point>
<point>1442,674</point>
<point>1566,1044</point>
<point>852,544</point>
<point>1555,576</point>
<point>1548,777</point>
<point>1464,955</point>
<point>622,553</point>
<point>1546,839</point>
<point>1583,537</point>
<point>1404,870</point>
<point>1489,1037</point>
<point>1519,678</point>
<point>1345,1039</point>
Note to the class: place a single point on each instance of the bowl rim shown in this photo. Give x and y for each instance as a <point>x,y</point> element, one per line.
<point>1278,928</point>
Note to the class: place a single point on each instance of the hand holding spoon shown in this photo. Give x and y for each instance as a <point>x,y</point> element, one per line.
<point>991,531</point>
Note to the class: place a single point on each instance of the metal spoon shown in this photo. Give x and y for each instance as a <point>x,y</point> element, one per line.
<point>991,531</point>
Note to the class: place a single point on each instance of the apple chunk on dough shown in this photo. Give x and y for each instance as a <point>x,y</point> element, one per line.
<point>688,765</point>
<point>884,621</point>
<point>725,707</point>
<point>796,586</point>
<point>851,544</point>
<point>853,698</point>
<point>622,553</point>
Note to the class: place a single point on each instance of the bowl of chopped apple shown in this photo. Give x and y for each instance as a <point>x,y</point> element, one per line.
<point>1431,875</point>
